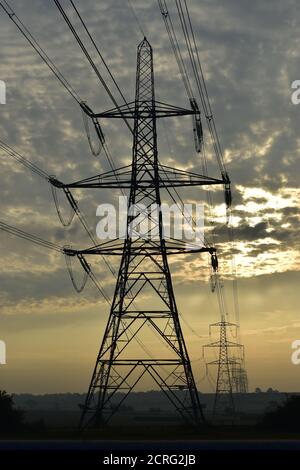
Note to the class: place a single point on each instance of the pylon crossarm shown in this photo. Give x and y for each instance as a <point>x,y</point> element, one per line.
<point>178,173</point>
<point>223,323</point>
<point>118,178</point>
<point>121,178</point>
<point>138,250</point>
<point>217,362</point>
<point>218,344</point>
<point>146,110</point>
<point>146,361</point>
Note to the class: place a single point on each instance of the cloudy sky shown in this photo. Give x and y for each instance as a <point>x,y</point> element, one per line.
<point>250,56</point>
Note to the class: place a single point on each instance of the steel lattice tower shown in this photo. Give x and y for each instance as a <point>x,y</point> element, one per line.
<point>225,363</point>
<point>112,372</point>
<point>239,377</point>
<point>144,265</point>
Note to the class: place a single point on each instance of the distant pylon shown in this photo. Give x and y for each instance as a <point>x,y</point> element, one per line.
<point>226,363</point>
<point>239,376</point>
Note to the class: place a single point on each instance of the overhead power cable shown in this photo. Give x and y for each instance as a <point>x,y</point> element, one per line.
<point>41,52</point>
<point>99,53</point>
<point>23,161</point>
<point>75,209</point>
<point>184,75</point>
<point>89,58</point>
<point>30,237</point>
<point>193,54</point>
<point>190,40</point>
<point>54,247</point>
<point>132,9</point>
<point>49,62</point>
<point>175,47</point>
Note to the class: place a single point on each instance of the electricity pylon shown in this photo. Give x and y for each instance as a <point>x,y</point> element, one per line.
<point>144,268</point>
<point>239,376</point>
<point>226,364</point>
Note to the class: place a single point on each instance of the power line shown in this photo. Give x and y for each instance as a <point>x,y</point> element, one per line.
<point>175,47</point>
<point>30,237</point>
<point>99,53</point>
<point>75,209</point>
<point>136,18</point>
<point>89,58</point>
<point>49,62</point>
<point>54,247</point>
<point>192,49</point>
<point>41,173</point>
<point>23,161</point>
<point>41,52</point>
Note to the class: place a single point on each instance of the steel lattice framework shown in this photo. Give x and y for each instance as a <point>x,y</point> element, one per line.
<point>144,267</point>
<point>226,364</point>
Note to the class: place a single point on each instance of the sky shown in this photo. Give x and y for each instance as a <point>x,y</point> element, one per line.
<point>250,56</point>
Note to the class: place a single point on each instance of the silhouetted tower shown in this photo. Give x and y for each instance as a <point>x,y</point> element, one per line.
<point>239,376</point>
<point>143,269</point>
<point>226,363</point>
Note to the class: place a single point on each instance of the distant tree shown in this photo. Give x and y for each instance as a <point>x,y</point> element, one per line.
<point>11,418</point>
<point>284,417</point>
<point>258,390</point>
